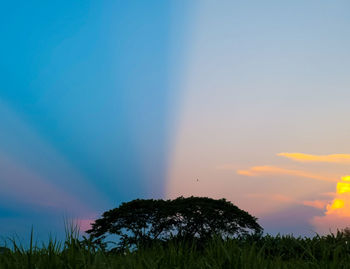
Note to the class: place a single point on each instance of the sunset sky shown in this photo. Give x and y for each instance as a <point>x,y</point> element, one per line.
<point>107,101</point>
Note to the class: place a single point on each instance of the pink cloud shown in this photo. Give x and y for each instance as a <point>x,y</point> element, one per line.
<point>321,204</point>
<point>256,171</point>
<point>330,223</point>
<point>273,197</point>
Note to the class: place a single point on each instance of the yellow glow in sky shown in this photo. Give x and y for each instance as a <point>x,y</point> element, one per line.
<point>346,178</point>
<point>341,203</point>
<point>343,187</point>
<point>337,203</point>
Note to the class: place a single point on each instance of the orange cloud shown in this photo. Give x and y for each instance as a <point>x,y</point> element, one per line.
<point>274,170</point>
<point>317,204</point>
<point>337,215</point>
<point>332,158</point>
<point>341,203</point>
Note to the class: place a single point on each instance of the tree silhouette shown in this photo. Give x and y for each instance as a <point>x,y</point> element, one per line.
<point>204,217</point>
<point>141,222</point>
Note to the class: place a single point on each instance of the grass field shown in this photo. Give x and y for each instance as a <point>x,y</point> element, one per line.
<point>331,251</point>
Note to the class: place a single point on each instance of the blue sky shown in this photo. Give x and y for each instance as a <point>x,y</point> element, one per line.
<point>87,84</point>
<point>104,102</point>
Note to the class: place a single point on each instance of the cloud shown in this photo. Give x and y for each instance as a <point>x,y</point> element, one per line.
<point>321,204</point>
<point>332,158</point>
<point>273,197</point>
<point>328,194</point>
<point>341,203</point>
<point>274,170</point>
<point>335,205</point>
<point>330,223</point>
<point>337,214</point>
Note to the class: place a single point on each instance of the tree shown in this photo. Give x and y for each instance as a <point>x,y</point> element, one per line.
<point>141,222</point>
<point>204,217</point>
<point>137,222</point>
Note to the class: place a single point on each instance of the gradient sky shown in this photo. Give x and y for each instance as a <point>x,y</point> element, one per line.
<point>107,101</point>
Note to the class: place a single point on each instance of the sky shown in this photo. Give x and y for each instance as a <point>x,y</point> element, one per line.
<point>102,102</point>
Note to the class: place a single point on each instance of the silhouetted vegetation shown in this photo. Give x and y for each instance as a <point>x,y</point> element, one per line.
<point>244,252</point>
<point>199,241</point>
<point>196,219</point>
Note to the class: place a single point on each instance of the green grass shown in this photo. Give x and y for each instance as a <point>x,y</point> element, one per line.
<point>332,251</point>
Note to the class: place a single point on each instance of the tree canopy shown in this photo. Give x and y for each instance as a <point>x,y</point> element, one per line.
<point>144,221</point>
